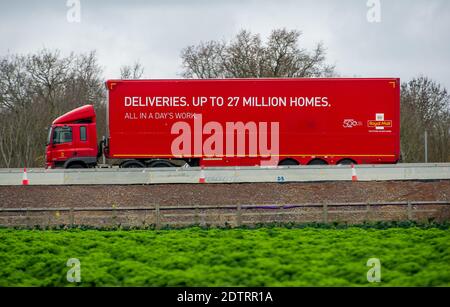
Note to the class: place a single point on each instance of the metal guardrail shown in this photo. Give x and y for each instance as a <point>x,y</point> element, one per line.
<point>226,175</point>
<point>237,207</point>
<point>234,214</point>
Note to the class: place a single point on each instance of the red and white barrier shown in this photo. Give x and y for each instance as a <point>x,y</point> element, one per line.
<point>202,178</point>
<point>25,180</point>
<point>354,176</point>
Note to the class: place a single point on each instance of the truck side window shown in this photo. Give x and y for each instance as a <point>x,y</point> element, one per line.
<point>62,135</point>
<point>83,135</point>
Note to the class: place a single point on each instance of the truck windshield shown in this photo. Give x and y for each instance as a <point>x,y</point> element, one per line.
<point>62,135</point>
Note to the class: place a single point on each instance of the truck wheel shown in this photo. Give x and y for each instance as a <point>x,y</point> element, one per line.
<point>346,162</point>
<point>161,164</point>
<point>288,162</point>
<point>132,164</point>
<point>318,162</point>
<point>76,165</point>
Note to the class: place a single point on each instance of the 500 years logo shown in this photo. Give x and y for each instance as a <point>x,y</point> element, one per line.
<point>351,123</point>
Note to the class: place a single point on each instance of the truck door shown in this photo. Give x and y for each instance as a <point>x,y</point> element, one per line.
<point>62,143</point>
<point>86,140</point>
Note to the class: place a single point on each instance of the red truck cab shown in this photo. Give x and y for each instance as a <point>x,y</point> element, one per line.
<point>72,140</point>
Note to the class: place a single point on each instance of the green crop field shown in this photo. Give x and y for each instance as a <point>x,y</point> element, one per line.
<point>226,257</point>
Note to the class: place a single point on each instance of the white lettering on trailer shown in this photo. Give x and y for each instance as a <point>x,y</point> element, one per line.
<point>218,101</point>
<point>265,101</point>
<point>155,101</point>
<point>309,102</point>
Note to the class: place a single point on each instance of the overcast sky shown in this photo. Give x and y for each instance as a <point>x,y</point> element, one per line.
<point>412,38</point>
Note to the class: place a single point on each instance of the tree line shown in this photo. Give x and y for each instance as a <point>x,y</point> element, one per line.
<point>38,87</point>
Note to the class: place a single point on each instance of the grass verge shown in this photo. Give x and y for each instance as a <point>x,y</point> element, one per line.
<point>320,255</point>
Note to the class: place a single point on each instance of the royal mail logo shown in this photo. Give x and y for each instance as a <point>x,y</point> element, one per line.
<point>379,123</point>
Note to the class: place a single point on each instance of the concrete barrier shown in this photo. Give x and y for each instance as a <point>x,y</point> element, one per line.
<point>112,176</point>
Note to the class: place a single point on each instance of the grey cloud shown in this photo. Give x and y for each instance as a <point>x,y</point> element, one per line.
<point>412,38</point>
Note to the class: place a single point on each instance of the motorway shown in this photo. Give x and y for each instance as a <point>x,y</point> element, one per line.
<point>116,176</point>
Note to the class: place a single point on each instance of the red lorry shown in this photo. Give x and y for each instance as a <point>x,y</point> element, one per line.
<point>234,122</point>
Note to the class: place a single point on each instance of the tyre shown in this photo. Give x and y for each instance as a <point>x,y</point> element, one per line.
<point>318,162</point>
<point>76,165</point>
<point>132,164</point>
<point>288,162</point>
<point>161,164</point>
<point>346,162</point>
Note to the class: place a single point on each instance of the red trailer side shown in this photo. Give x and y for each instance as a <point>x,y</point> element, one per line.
<point>280,121</point>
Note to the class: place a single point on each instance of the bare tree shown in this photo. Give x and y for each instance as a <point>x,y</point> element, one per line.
<point>15,85</point>
<point>49,72</point>
<point>246,56</point>
<point>425,106</point>
<point>36,88</point>
<point>135,71</point>
<point>203,61</point>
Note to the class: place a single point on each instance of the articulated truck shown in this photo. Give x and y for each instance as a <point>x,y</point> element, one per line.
<point>234,122</point>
